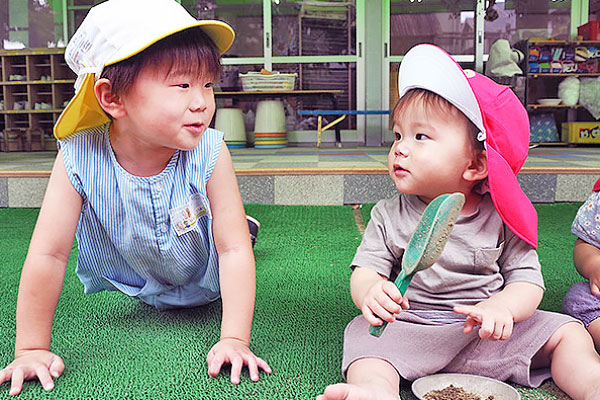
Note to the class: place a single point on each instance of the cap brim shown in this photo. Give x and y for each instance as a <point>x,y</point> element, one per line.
<point>82,112</point>
<point>219,32</point>
<point>513,206</point>
<point>222,34</point>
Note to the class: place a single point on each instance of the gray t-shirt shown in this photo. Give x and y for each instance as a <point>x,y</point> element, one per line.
<point>480,258</point>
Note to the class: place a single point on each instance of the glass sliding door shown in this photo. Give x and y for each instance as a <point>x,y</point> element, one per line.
<point>517,20</point>
<point>313,28</point>
<point>449,24</point>
<point>317,41</point>
<point>244,16</point>
<point>247,52</point>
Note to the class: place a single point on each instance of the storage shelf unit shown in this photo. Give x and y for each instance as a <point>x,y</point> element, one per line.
<point>541,82</point>
<point>548,87</point>
<point>576,74</point>
<point>35,85</point>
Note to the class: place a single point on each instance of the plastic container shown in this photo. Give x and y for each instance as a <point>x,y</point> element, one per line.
<point>270,117</point>
<point>230,121</point>
<point>269,126</point>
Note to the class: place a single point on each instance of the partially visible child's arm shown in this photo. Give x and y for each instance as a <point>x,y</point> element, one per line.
<point>41,284</point>
<point>237,274</point>
<point>497,315</point>
<point>377,297</point>
<point>587,262</point>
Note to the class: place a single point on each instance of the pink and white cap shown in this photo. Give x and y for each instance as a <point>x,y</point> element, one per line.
<point>497,113</point>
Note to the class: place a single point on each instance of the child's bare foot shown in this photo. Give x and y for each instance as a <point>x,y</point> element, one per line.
<point>344,391</point>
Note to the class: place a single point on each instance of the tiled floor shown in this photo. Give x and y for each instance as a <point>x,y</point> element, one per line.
<point>328,176</point>
<point>332,158</point>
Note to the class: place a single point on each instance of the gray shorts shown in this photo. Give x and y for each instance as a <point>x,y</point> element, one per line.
<point>417,347</point>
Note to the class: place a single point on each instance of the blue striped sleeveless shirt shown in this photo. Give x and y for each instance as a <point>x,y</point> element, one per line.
<point>126,238</point>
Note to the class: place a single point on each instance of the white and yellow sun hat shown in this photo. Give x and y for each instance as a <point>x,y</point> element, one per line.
<point>114,31</point>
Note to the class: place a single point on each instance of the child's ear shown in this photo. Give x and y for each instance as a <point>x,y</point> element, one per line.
<point>110,103</point>
<point>477,169</point>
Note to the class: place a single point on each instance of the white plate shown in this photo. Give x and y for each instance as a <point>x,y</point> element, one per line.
<point>549,102</point>
<point>479,385</point>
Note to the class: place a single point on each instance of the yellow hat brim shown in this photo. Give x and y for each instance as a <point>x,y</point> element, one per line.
<point>82,112</point>
<point>219,32</point>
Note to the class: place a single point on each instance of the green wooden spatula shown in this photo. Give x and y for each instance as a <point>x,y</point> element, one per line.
<point>427,241</point>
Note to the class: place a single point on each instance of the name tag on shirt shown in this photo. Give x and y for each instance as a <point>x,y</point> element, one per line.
<point>185,218</point>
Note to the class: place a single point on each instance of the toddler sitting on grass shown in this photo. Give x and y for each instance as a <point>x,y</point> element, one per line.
<point>583,299</point>
<point>475,310</point>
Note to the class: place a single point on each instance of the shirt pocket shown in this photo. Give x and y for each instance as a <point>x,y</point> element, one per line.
<point>485,260</point>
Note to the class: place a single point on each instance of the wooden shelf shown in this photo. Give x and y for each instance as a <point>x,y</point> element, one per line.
<point>536,106</point>
<point>562,74</point>
<point>563,42</point>
<point>46,79</point>
<point>43,111</point>
<point>8,83</point>
<point>536,144</point>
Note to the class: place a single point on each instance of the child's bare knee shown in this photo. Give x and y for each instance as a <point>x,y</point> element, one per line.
<point>570,334</point>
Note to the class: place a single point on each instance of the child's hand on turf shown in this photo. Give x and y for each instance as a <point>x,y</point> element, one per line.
<point>495,319</point>
<point>237,353</point>
<point>31,364</point>
<point>382,301</point>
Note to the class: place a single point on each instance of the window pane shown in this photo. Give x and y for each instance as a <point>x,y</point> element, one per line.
<point>244,16</point>
<point>4,27</point>
<point>78,9</point>
<point>33,23</point>
<point>322,76</point>
<point>446,23</point>
<point>41,24</point>
<point>310,28</point>
<point>519,20</point>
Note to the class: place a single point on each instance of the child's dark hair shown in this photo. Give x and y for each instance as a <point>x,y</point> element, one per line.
<point>434,102</point>
<point>189,51</point>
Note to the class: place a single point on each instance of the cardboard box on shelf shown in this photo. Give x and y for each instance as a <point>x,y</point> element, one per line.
<point>581,132</point>
<point>589,31</point>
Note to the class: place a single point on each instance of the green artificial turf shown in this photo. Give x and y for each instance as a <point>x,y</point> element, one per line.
<point>116,347</point>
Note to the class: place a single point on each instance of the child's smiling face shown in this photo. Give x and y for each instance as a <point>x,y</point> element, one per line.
<point>169,108</point>
<point>431,152</point>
